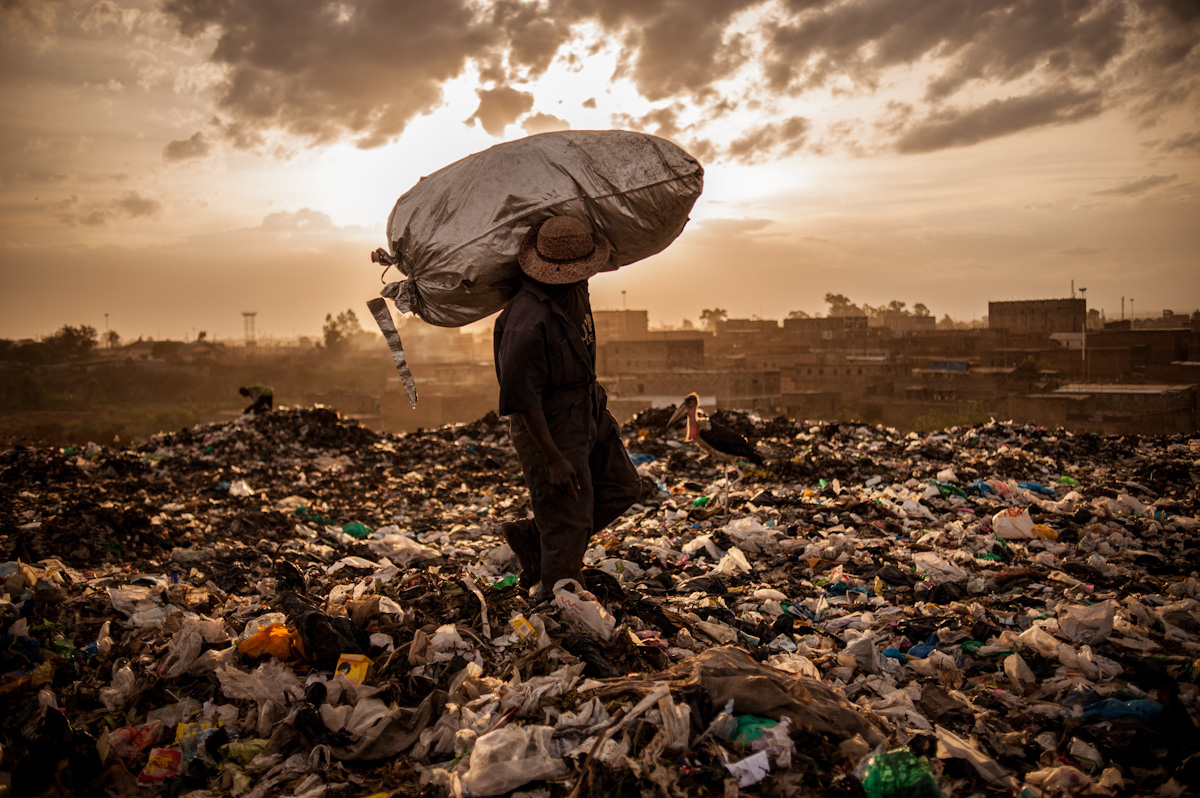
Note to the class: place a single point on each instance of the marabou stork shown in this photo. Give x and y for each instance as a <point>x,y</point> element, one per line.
<point>715,439</point>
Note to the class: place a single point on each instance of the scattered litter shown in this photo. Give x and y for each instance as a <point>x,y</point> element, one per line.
<point>994,610</point>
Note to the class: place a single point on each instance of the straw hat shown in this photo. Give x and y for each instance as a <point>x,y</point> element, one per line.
<point>562,250</point>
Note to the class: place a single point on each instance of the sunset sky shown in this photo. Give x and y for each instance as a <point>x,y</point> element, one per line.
<point>173,164</point>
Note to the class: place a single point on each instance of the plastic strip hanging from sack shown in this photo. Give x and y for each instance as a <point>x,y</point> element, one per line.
<point>387,326</point>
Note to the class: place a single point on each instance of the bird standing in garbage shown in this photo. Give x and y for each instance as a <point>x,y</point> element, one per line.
<point>715,439</point>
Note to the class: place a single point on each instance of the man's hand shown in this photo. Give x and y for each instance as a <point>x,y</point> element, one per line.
<point>562,474</point>
<point>563,477</point>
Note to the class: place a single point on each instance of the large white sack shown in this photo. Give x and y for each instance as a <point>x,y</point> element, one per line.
<point>455,234</point>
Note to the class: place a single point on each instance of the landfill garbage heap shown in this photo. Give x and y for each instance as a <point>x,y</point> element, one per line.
<point>293,604</point>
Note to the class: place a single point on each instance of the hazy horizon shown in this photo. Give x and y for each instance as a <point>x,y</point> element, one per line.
<point>174,164</point>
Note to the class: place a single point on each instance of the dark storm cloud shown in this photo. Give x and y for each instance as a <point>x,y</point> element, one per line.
<point>962,128</point>
<point>973,39</point>
<point>324,71</point>
<point>132,205</point>
<point>1139,186</point>
<point>362,70</point>
<point>772,140</point>
<point>681,47</point>
<point>1185,141</point>
<point>500,107</point>
<point>187,149</point>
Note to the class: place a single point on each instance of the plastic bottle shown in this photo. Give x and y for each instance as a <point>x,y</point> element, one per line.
<point>900,774</point>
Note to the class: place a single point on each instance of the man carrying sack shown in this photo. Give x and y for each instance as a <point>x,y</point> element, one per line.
<point>580,477</point>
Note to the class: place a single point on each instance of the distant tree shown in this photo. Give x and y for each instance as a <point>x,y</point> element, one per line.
<point>896,308</point>
<point>338,332</point>
<point>28,393</point>
<point>709,317</point>
<point>71,343</point>
<point>112,339</point>
<point>839,305</point>
<point>798,314</point>
<point>1027,370</point>
<point>919,309</point>
<point>687,325</point>
<point>202,335</point>
<point>30,353</point>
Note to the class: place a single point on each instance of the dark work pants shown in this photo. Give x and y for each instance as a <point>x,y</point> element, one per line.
<point>588,436</point>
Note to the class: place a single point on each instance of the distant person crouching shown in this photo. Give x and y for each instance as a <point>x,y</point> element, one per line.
<point>262,397</point>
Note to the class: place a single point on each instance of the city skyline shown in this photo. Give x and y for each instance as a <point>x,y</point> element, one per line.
<point>174,164</point>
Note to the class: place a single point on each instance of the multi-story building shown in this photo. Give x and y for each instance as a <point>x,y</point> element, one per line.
<point>1043,316</point>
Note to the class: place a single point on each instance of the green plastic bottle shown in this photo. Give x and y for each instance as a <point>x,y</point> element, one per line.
<point>900,774</point>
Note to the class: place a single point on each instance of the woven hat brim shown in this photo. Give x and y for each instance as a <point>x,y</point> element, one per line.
<point>552,273</point>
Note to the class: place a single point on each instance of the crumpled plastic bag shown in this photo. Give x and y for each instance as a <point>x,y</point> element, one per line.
<point>131,743</point>
<point>751,770</point>
<point>1018,671</point>
<point>583,608</point>
<point>751,536</point>
<point>185,645</point>
<point>446,644</point>
<point>123,685</point>
<point>951,746</point>
<point>936,569</point>
<point>508,757</point>
<point>272,681</point>
<point>278,640</point>
<point>1013,523</point>
<point>861,652</point>
<point>1085,624</point>
<point>399,548</point>
<point>131,599</point>
<point>734,562</point>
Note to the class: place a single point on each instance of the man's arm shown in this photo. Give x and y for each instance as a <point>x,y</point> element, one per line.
<point>562,473</point>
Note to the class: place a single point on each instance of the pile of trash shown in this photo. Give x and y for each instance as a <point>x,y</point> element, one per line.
<point>293,604</point>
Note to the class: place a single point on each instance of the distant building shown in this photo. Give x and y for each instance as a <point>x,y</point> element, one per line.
<point>903,322</point>
<point>617,325</point>
<point>739,390</point>
<point>1111,409</point>
<point>634,357</point>
<point>746,326</point>
<point>826,327</point>
<point>1042,316</point>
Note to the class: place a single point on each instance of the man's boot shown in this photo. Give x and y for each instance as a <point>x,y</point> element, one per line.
<point>526,543</point>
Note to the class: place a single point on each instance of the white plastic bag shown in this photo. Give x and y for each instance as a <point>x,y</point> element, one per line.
<point>123,685</point>
<point>1084,624</point>
<point>583,608</point>
<point>508,757</point>
<point>1013,523</point>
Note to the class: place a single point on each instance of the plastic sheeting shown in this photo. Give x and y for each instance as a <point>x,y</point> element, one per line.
<point>455,234</point>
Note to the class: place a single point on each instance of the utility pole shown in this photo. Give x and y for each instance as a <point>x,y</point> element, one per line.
<point>1083,296</point>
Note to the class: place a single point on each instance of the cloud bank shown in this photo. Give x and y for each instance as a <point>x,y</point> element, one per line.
<point>364,70</point>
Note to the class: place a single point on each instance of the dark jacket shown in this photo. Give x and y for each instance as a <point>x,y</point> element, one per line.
<point>541,359</point>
